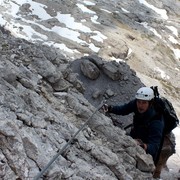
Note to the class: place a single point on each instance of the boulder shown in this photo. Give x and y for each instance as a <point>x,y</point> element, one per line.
<point>111,69</point>
<point>90,70</point>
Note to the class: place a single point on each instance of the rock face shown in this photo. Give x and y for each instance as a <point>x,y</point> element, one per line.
<point>46,94</point>
<point>42,105</point>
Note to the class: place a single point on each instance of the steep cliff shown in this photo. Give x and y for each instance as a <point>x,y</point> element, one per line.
<point>45,97</point>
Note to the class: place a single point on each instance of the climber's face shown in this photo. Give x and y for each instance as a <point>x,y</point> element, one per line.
<point>142,105</point>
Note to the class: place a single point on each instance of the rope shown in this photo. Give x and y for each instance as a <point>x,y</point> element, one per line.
<point>66,145</point>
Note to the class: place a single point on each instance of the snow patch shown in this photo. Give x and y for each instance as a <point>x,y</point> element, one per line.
<point>162,12</point>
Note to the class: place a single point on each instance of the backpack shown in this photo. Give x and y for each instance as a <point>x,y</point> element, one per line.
<point>165,107</point>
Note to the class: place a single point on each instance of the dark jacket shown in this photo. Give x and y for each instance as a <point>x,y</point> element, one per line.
<point>147,126</point>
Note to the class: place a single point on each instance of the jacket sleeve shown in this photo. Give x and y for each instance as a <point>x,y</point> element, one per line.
<point>124,109</point>
<point>155,137</point>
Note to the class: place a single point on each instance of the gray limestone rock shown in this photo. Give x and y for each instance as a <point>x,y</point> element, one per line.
<point>89,69</point>
<point>47,94</point>
<point>111,69</point>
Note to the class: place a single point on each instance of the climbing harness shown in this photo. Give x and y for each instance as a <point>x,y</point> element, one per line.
<point>67,144</point>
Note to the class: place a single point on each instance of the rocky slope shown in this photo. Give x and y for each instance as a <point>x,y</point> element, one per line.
<point>45,97</point>
<point>42,106</point>
<point>143,35</point>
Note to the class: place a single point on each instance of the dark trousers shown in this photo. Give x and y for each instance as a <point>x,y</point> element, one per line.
<point>167,150</point>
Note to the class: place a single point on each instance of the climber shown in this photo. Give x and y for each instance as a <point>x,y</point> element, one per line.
<point>148,123</point>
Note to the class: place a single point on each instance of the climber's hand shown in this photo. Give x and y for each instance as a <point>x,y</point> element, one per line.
<point>106,108</point>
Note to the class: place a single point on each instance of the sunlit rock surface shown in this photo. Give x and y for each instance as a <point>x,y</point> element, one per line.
<point>45,98</point>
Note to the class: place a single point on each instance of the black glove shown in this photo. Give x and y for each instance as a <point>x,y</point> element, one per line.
<point>106,108</point>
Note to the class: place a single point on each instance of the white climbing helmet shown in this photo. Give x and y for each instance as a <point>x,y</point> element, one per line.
<point>145,93</point>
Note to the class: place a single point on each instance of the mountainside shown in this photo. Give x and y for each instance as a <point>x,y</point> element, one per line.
<point>46,97</point>
<point>42,107</point>
<point>143,35</point>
